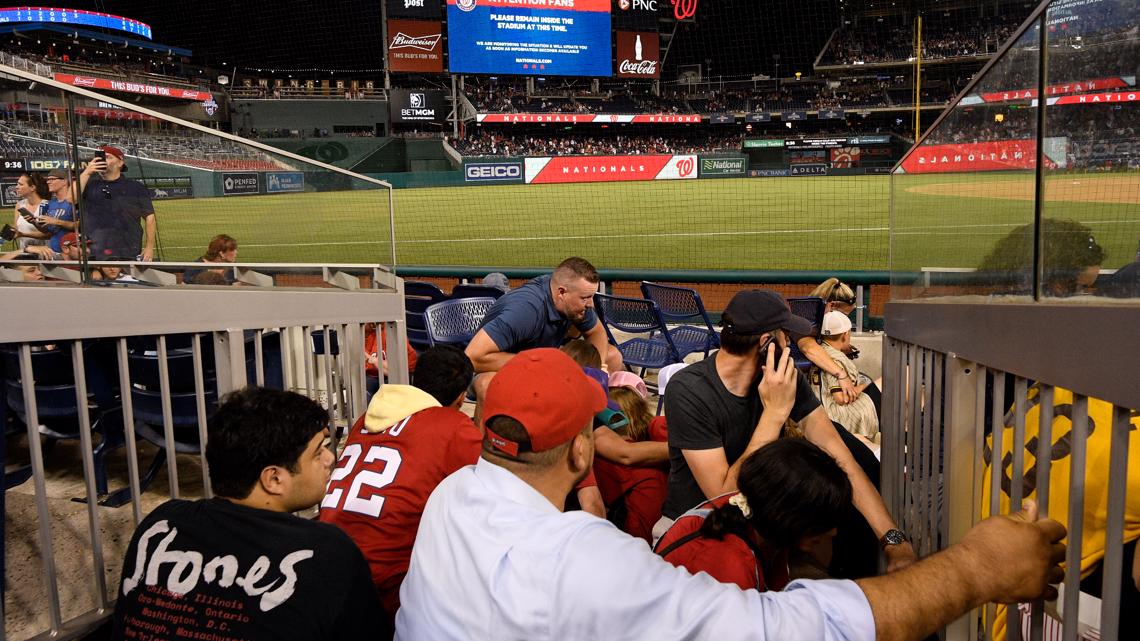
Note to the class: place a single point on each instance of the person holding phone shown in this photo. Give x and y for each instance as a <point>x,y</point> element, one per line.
<point>726,407</point>
<point>33,193</point>
<point>113,206</point>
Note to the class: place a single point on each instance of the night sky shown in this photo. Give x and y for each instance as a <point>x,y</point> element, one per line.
<point>738,36</point>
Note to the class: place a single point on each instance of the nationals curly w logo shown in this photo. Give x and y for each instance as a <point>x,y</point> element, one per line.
<point>685,167</point>
<point>683,9</point>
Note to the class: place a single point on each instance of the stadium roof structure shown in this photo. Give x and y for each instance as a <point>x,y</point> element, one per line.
<point>75,32</point>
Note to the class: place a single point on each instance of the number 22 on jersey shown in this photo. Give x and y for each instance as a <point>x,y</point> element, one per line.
<point>361,468</point>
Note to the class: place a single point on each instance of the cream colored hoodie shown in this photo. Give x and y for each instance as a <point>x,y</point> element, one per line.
<point>393,403</point>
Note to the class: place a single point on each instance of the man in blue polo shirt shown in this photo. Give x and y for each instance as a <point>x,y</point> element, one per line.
<point>539,314</point>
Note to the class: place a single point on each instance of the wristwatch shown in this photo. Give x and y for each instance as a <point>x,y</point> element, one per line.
<point>893,537</point>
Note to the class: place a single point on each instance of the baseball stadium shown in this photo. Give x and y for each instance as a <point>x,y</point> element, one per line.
<point>304,302</point>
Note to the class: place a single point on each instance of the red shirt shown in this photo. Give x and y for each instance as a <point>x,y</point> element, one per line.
<point>382,481</point>
<point>730,560</point>
<point>644,491</point>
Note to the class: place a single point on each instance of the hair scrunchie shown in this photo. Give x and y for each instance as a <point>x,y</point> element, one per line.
<point>741,504</point>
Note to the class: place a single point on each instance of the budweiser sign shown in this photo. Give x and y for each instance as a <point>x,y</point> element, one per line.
<point>132,87</point>
<point>424,43</point>
<point>415,46</point>
<point>638,54</point>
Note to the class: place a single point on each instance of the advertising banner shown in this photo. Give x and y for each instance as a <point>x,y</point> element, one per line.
<point>169,188</point>
<point>131,87</point>
<point>427,106</point>
<point>977,156</point>
<point>788,116</point>
<point>768,173</point>
<point>1096,98</point>
<point>636,14</point>
<point>845,157</point>
<point>830,114</point>
<point>719,166</point>
<point>1098,84</point>
<point>415,45</point>
<point>240,184</point>
<point>582,169</point>
<point>721,119</point>
<point>8,196</point>
<point>762,144</point>
<point>420,9</point>
<point>572,119</point>
<point>808,170</point>
<point>278,182</point>
<point>758,116</point>
<point>498,172</point>
<point>638,54</point>
<point>535,37</point>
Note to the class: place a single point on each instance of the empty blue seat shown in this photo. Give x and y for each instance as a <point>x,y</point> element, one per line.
<point>454,322</point>
<point>418,296</point>
<point>683,307</point>
<point>637,316</point>
<point>469,290</point>
<point>809,308</point>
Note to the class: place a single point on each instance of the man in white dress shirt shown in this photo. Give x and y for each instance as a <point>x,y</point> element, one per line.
<point>497,559</point>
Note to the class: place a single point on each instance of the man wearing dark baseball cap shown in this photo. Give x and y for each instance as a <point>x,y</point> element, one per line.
<point>496,557</point>
<point>113,206</point>
<point>733,403</point>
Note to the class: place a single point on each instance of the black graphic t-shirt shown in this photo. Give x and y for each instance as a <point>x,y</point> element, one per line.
<point>213,570</point>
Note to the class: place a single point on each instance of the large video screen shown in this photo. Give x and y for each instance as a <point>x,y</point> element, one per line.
<point>76,17</point>
<point>529,37</point>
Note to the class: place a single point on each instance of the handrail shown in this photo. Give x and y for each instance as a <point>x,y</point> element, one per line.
<point>801,277</point>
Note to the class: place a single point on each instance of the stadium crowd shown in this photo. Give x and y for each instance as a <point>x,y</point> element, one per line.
<point>564,509</point>
<point>486,143</point>
<point>890,40</point>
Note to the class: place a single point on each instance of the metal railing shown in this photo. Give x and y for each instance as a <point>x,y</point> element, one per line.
<point>171,353</point>
<point>972,382</point>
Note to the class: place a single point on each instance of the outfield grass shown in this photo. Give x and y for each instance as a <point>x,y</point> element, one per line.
<point>764,223</point>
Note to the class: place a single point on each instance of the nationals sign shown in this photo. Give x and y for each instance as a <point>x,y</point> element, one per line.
<point>131,87</point>
<point>591,169</point>
<point>977,156</point>
<point>414,45</point>
<point>572,119</point>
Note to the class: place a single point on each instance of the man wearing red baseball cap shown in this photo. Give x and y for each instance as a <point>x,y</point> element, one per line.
<point>496,557</point>
<point>113,205</point>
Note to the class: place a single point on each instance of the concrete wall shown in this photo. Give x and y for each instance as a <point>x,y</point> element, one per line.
<point>305,115</point>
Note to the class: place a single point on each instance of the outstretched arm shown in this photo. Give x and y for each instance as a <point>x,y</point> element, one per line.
<point>1006,559</point>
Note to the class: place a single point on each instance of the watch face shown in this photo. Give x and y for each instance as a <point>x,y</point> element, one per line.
<point>894,537</point>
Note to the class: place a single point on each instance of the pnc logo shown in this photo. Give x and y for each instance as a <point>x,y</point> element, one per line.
<point>684,167</point>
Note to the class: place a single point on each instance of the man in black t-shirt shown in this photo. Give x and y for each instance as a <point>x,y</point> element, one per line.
<point>240,566</point>
<point>727,406</point>
<point>112,207</point>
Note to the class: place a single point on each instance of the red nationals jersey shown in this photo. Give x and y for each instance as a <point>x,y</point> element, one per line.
<point>382,481</point>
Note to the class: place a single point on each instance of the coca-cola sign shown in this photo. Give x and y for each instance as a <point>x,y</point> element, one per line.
<point>638,54</point>
<point>414,45</point>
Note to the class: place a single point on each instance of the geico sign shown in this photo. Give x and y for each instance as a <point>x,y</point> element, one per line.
<point>493,171</point>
